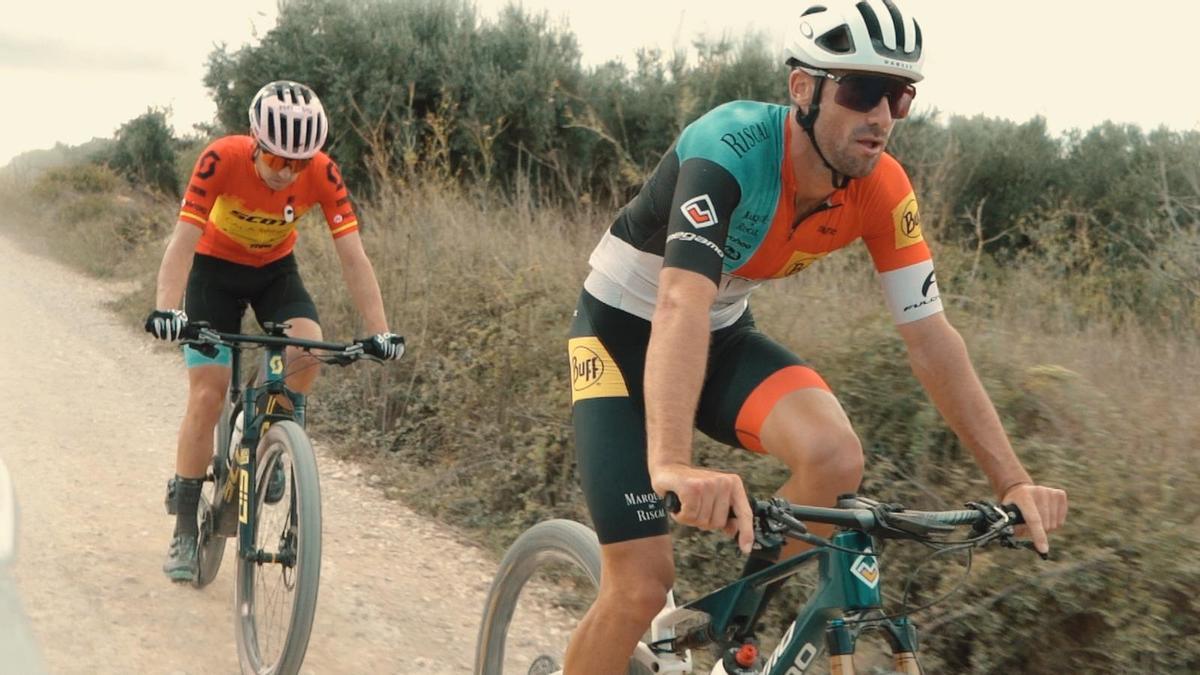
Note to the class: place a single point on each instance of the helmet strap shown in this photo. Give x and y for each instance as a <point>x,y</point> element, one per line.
<point>808,121</point>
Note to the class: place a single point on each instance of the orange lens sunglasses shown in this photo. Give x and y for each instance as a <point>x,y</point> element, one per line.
<point>278,163</point>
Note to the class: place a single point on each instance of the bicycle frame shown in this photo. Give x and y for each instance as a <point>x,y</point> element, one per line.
<point>848,585</point>
<point>245,456</point>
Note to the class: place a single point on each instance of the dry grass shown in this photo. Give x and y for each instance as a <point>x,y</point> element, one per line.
<point>473,426</point>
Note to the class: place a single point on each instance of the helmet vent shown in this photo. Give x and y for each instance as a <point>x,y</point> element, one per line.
<point>838,40</point>
<point>897,21</point>
<point>297,134</point>
<point>871,21</point>
<point>815,9</point>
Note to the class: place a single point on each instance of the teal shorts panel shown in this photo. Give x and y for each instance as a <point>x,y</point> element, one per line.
<point>193,358</point>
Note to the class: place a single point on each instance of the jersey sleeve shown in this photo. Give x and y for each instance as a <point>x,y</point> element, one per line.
<point>705,196</point>
<point>335,199</point>
<point>892,233</point>
<point>206,183</point>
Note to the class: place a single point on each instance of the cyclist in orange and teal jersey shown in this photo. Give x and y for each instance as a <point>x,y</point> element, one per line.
<point>232,249</point>
<point>663,340</point>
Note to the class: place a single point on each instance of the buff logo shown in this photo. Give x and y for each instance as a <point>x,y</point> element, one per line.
<point>594,374</point>
<point>907,218</point>
<point>799,262</point>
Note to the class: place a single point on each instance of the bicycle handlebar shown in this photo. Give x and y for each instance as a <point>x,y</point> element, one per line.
<point>886,521</point>
<point>201,335</point>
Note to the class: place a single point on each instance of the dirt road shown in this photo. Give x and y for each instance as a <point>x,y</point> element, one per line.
<point>89,409</point>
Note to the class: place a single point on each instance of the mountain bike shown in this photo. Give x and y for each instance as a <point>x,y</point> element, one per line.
<point>18,651</point>
<point>259,445</point>
<point>846,603</point>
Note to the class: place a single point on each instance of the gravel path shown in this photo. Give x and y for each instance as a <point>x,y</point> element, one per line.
<point>90,407</point>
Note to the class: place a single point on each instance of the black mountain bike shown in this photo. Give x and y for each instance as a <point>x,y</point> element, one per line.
<point>259,443</point>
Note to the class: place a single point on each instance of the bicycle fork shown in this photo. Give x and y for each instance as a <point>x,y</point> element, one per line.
<point>901,636</point>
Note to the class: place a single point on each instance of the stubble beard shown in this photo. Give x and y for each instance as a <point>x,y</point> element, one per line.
<point>847,159</point>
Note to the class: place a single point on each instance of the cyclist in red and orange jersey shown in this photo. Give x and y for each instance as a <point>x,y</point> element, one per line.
<point>232,249</point>
<point>663,340</point>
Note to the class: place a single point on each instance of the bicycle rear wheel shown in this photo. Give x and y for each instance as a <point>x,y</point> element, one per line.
<point>275,601</point>
<point>536,550</point>
<point>211,542</point>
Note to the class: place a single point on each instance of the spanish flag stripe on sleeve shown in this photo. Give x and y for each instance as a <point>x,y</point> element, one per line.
<point>193,217</point>
<point>345,228</point>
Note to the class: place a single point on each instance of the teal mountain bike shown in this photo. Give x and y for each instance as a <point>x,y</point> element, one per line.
<point>259,448</point>
<point>847,602</point>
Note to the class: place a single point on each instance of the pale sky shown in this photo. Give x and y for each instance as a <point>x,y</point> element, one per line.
<point>72,70</point>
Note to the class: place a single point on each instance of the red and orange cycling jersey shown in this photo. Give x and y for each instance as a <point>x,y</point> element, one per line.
<point>246,222</point>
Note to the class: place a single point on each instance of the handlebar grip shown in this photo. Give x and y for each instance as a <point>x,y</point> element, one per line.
<point>672,504</point>
<point>1014,512</point>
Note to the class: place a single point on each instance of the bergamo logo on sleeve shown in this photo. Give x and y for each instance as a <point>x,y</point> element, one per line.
<point>699,211</point>
<point>594,374</point>
<point>907,218</point>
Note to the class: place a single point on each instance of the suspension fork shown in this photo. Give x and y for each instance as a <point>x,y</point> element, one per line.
<point>900,634</point>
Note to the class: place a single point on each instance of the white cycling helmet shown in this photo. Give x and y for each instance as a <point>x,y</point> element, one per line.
<point>288,120</point>
<point>871,35</point>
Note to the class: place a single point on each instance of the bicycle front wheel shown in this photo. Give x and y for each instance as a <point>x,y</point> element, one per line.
<point>562,552</point>
<point>276,599</point>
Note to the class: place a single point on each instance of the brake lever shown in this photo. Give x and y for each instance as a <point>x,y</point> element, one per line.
<point>1009,542</point>
<point>200,337</point>
<point>795,529</point>
<point>340,359</point>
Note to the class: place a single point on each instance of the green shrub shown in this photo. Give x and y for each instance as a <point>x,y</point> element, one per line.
<point>145,152</point>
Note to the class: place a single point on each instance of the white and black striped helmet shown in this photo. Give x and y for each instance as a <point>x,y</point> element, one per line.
<point>871,35</point>
<point>288,120</point>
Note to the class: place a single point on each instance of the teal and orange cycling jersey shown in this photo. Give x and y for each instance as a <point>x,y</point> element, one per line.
<point>721,203</point>
<point>246,222</point>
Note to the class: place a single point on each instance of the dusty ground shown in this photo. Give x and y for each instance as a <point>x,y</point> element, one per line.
<point>89,407</point>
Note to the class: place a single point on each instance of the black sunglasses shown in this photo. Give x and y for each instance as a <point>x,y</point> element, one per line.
<point>861,92</point>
